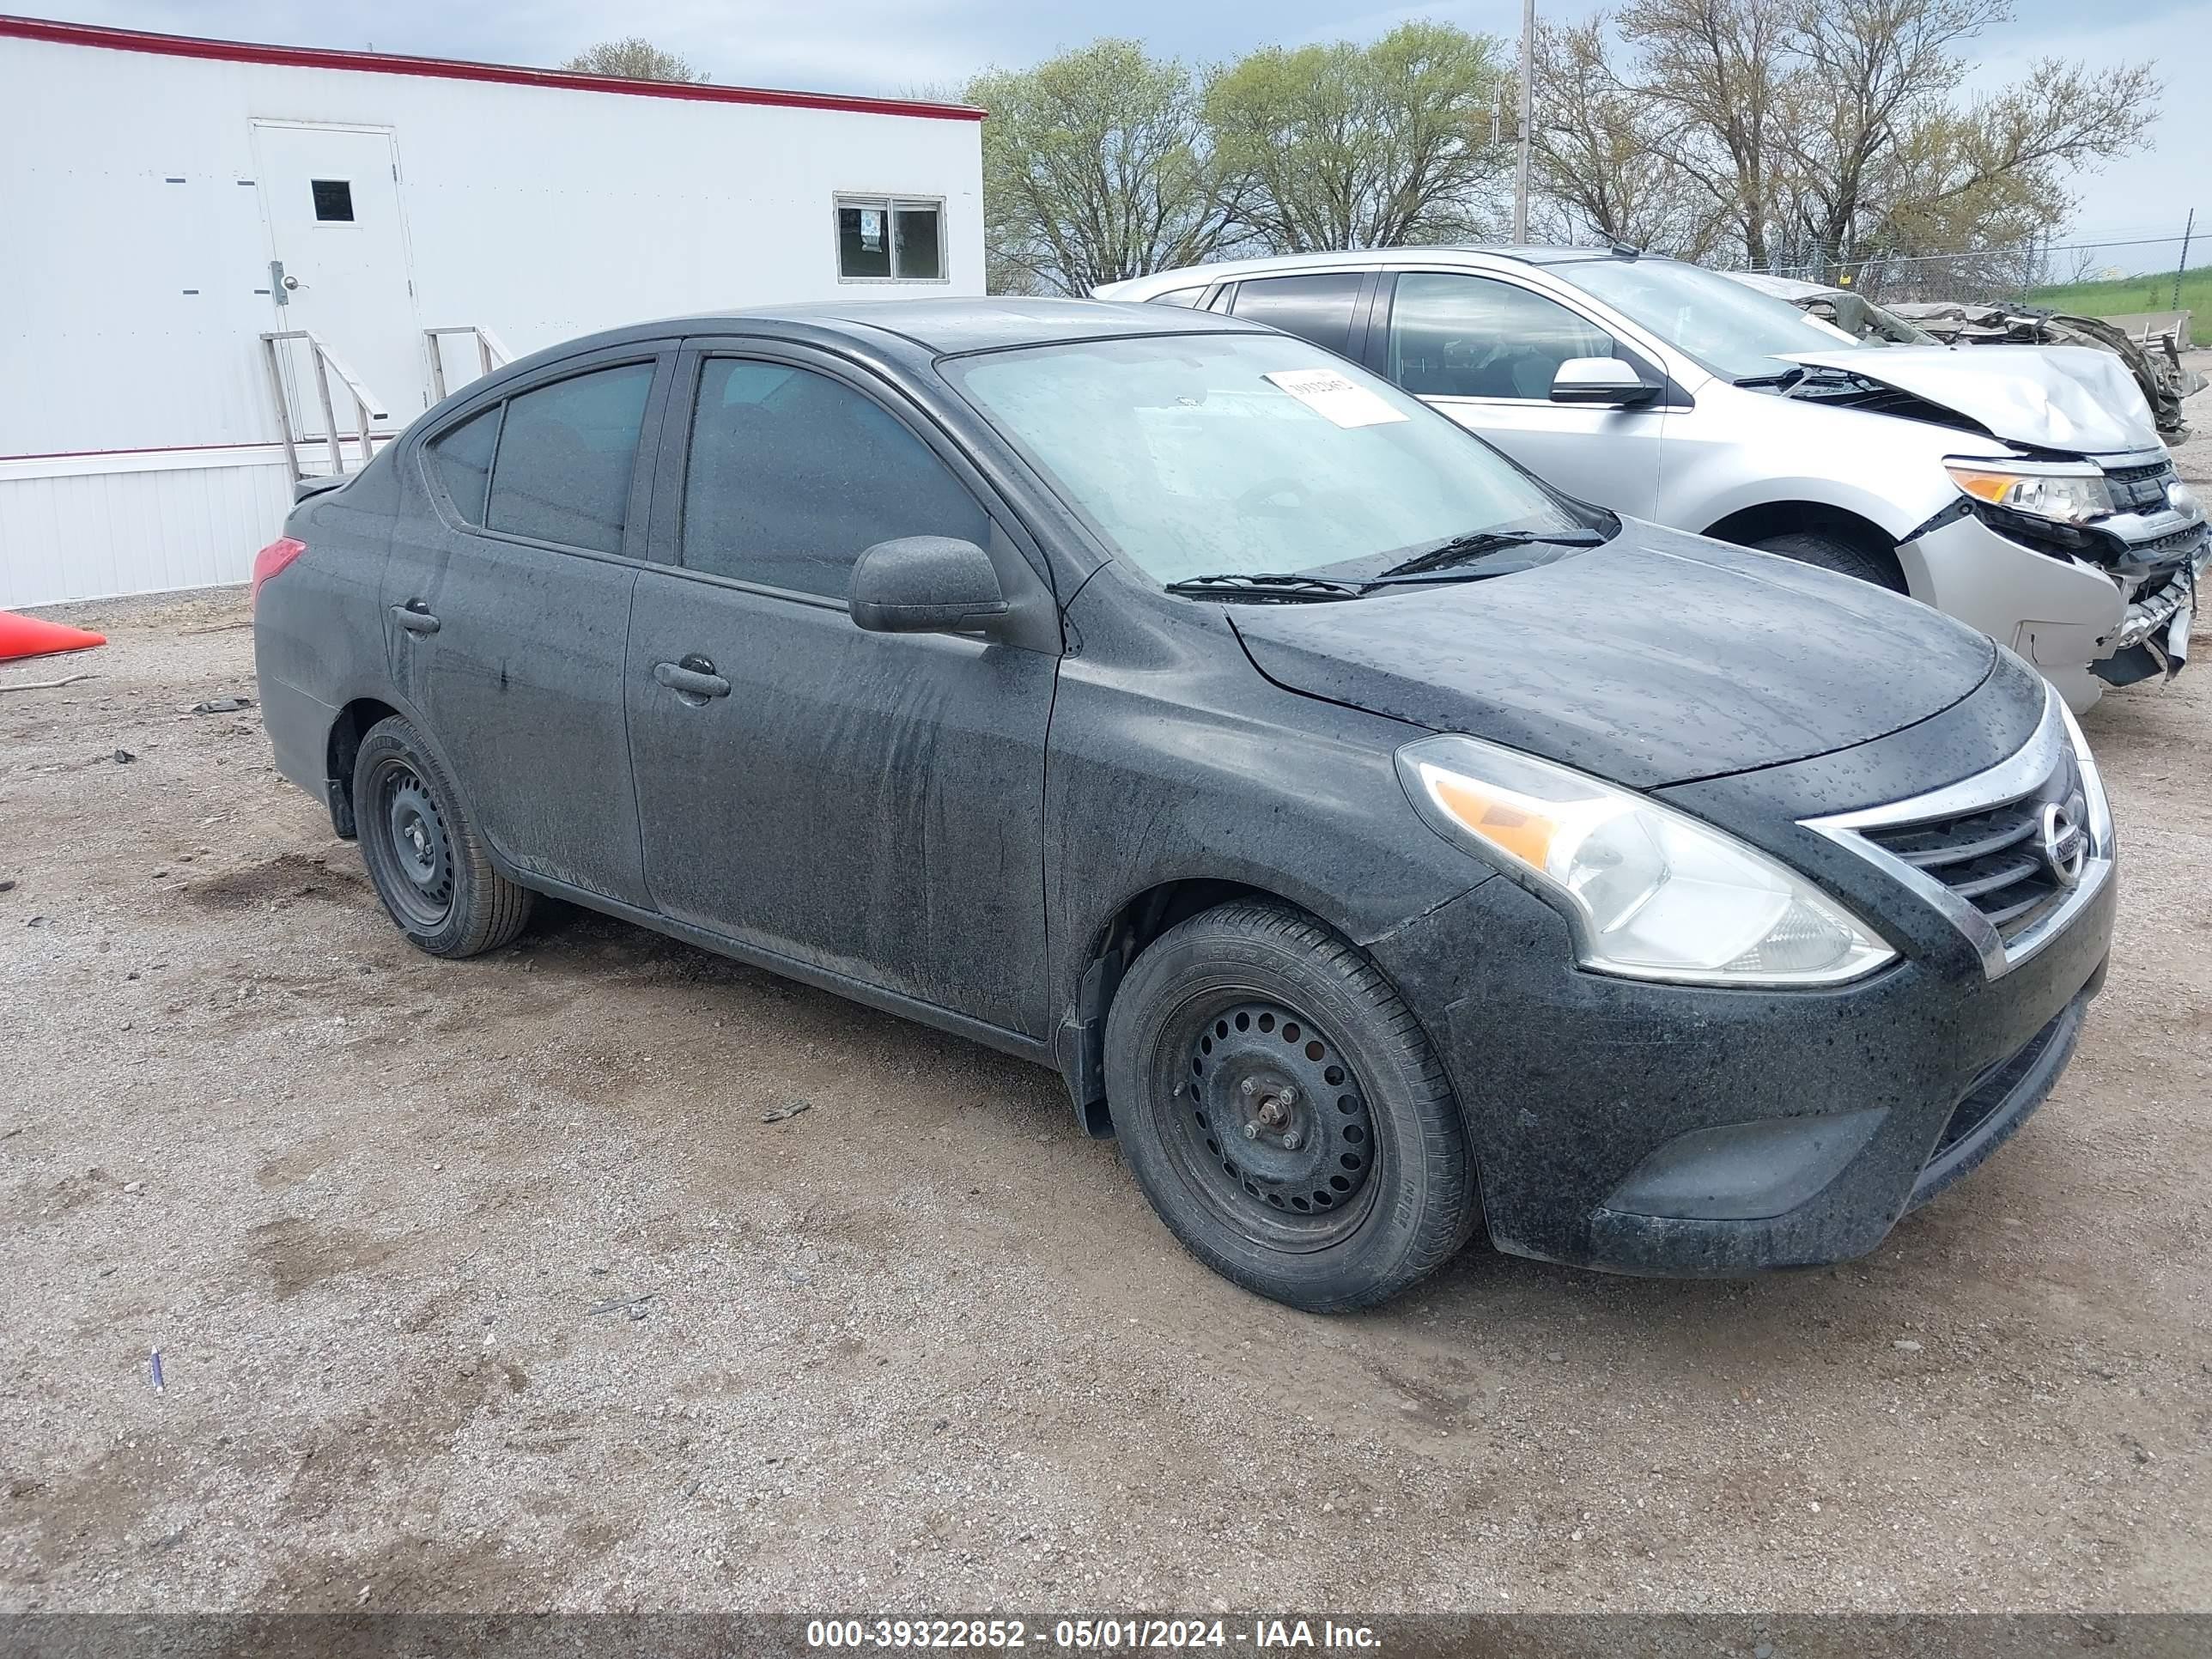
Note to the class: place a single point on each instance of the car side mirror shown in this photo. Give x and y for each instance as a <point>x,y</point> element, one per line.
<point>1600,381</point>
<point>925,585</point>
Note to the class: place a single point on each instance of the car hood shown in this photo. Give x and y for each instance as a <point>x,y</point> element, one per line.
<point>2066,398</point>
<point>1656,658</point>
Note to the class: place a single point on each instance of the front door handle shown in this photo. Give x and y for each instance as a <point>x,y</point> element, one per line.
<point>415,617</point>
<point>693,679</point>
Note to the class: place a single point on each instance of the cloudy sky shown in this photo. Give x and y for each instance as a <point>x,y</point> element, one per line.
<point>902,46</point>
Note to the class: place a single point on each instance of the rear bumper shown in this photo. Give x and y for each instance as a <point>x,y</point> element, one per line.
<point>298,727</point>
<point>1684,1131</point>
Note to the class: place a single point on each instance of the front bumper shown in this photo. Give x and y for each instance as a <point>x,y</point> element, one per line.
<point>1689,1130</point>
<point>1572,1083</point>
<point>2069,617</point>
<point>2154,633</point>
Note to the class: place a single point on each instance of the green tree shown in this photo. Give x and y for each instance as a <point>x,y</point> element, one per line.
<point>1348,146</point>
<point>633,59</point>
<point>1095,167</point>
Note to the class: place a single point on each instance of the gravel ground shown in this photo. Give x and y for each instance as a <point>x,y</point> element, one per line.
<point>486,1285</point>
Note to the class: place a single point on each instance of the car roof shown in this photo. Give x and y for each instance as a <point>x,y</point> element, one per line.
<point>938,325</point>
<point>1473,255</point>
<point>914,330</point>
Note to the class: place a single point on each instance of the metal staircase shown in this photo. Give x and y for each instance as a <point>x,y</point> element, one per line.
<point>490,354</point>
<point>351,450</point>
<point>325,363</point>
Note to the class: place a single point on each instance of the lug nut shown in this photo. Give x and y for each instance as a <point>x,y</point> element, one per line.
<point>1251,1132</point>
<point>1290,1142</point>
<point>1248,1088</point>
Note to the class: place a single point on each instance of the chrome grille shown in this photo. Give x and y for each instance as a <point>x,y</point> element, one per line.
<point>1992,859</point>
<point>2009,856</point>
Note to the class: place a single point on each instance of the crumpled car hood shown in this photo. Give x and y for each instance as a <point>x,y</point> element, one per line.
<point>2065,398</point>
<point>1656,658</point>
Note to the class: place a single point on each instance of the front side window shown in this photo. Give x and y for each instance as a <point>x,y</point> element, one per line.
<point>461,456</point>
<point>793,475</point>
<point>566,457</point>
<point>1200,454</point>
<point>1734,331</point>
<point>890,238</point>
<point>1318,307</point>
<point>1468,336</point>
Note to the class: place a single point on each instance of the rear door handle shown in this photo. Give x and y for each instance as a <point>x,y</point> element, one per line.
<point>415,617</point>
<point>693,678</point>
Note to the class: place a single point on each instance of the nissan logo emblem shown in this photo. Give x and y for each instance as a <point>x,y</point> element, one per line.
<point>2065,843</point>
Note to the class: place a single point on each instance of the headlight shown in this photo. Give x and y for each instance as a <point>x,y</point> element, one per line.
<point>2093,786</point>
<point>1654,894</point>
<point>2065,495</point>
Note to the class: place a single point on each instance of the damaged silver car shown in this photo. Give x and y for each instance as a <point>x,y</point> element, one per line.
<point>2155,363</point>
<point>2023,489</point>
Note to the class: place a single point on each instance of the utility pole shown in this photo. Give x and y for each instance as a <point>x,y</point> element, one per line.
<point>1529,120</point>
<point>2184,265</point>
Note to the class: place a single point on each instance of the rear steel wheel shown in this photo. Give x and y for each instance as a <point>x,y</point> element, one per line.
<point>413,834</point>
<point>424,856</point>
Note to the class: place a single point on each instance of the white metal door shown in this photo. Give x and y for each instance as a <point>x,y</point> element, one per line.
<point>339,266</point>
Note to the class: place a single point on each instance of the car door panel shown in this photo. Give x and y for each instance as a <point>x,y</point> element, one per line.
<point>866,803</point>
<point>869,804</point>
<point>1483,350</point>
<point>512,654</point>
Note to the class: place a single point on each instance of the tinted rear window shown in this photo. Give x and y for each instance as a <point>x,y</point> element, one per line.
<point>461,458</point>
<point>1319,307</point>
<point>566,457</point>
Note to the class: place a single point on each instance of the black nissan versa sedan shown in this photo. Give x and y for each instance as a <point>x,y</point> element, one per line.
<point>1375,840</point>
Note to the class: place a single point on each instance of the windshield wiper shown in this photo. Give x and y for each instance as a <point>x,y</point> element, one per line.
<point>1284,586</point>
<point>1462,549</point>
<point>1781,382</point>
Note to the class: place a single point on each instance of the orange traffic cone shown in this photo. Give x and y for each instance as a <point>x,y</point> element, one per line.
<point>27,637</point>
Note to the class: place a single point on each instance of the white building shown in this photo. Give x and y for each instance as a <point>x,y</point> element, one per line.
<point>165,203</point>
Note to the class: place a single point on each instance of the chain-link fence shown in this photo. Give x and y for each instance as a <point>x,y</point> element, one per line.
<point>2123,275</point>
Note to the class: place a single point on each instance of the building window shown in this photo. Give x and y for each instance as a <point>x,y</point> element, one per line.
<point>890,238</point>
<point>333,200</point>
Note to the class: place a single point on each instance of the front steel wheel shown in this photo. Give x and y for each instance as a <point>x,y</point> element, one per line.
<point>1278,1138</point>
<point>1285,1112</point>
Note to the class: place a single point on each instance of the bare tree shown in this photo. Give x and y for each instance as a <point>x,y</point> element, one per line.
<point>1830,135</point>
<point>1722,68</point>
<point>1603,156</point>
<point>633,59</point>
<point>1883,158</point>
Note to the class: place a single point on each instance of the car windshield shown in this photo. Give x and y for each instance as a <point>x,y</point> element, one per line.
<point>1734,331</point>
<point>1231,453</point>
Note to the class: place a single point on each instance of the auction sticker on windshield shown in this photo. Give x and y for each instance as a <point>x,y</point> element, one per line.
<point>1328,394</point>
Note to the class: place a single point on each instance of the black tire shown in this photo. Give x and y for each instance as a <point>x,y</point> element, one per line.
<point>1358,1182</point>
<point>1875,566</point>
<point>423,853</point>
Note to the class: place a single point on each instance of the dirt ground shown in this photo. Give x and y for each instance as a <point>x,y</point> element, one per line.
<point>485,1285</point>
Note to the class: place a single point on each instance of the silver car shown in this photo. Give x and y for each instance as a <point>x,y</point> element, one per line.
<point>2022,489</point>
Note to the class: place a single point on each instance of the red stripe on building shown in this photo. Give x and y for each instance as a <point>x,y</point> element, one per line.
<point>453,69</point>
